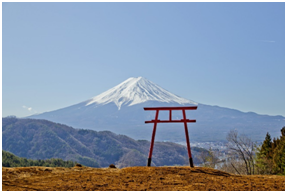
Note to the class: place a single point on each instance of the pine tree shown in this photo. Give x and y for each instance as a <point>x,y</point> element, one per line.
<point>263,157</point>
<point>266,147</point>
<point>279,154</point>
<point>270,158</point>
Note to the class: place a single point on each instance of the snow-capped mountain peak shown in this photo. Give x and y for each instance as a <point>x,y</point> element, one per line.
<point>135,91</point>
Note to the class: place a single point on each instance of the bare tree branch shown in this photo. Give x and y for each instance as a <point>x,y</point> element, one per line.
<point>235,168</point>
<point>243,147</point>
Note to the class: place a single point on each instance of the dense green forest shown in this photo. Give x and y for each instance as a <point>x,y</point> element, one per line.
<point>10,160</point>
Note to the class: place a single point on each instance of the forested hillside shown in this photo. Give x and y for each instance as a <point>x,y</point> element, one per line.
<point>41,139</point>
<point>10,160</point>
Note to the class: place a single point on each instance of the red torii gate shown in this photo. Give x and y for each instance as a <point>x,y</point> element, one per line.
<point>156,120</point>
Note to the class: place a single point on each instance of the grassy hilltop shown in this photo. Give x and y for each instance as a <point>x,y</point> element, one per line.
<point>135,179</point>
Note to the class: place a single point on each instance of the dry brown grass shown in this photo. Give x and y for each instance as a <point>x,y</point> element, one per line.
<point>133,178</point>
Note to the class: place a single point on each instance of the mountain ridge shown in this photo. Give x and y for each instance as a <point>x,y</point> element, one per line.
<point>120,110</point>
<point>42,139</point>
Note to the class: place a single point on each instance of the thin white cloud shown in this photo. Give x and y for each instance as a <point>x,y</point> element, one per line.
<point>28,108</point>
<point>267,41</point>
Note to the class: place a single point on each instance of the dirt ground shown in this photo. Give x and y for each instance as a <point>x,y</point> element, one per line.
<point>133,178</point>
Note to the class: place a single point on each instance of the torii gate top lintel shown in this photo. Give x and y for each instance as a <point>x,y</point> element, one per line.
<point>170,108</point>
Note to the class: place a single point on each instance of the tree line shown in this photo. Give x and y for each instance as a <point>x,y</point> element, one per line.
<point>245,157</point>
<point>271,155</point>
<point>10,160</point>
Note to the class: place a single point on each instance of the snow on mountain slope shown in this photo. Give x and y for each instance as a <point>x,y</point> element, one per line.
<point>137,90</point>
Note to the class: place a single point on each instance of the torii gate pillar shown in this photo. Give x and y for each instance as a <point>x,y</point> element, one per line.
<point>156,120</point>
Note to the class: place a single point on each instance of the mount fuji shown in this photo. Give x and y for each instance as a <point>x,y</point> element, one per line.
<point>120,110</point>
<point>135,91</point>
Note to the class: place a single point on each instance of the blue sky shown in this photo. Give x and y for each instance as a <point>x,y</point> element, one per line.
<point>227,54</point>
